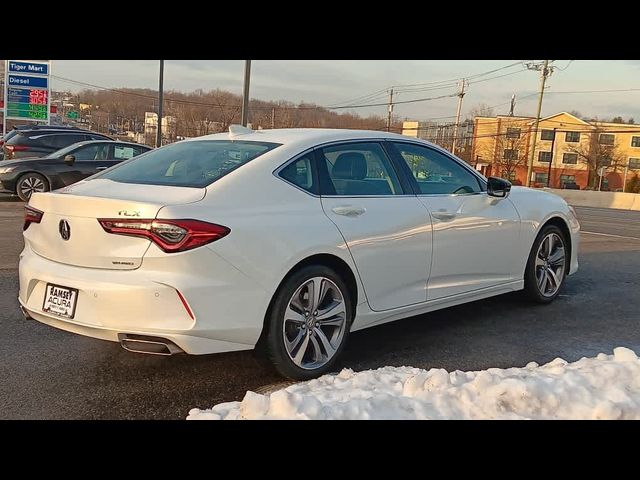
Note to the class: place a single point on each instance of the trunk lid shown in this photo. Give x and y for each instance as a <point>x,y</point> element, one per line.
<point>82,204</point>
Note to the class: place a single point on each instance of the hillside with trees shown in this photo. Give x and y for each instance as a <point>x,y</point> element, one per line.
<point>204,112</point>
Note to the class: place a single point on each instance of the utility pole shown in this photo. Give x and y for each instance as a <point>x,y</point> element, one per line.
<point>546,71</point>
<point>390,113</point>
<point>624,182</point>
<point>245,95</point>
<point>273,118</point>
<point>160,103</point>
<point>513,104</point>
<point>455,127</point>
<point>553,142</point>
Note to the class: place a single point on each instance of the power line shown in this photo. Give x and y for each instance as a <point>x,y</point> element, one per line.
<point>456,80</point>
<point>497,76</point>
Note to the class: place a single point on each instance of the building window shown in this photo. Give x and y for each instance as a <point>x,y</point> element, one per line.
<point>541,178</point>
<point>572,137</point>
<point>544,157</point>
<point>634,163</point>
<point>607,139</point>
<point>510,154</point>
<point>513,132</point>
<point>547,135</point>
<point>571,158</point>
<point>635,141</point>
<point>567,179</point>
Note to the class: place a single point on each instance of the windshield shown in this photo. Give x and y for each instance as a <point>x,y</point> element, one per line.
<point>187,164</point>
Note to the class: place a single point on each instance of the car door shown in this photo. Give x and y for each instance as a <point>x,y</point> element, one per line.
<point>475,236</point>
<point>386,228</point>
<point>88,160</point>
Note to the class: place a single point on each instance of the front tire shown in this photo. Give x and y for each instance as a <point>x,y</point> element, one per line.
<point>309,323</point>
<point>29,184</point>
<point>547,265</point>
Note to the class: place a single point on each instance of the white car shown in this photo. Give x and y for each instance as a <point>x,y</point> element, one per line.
<point>285,240</point>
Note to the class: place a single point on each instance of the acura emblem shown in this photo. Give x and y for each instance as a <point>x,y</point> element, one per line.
<point>64,229</point>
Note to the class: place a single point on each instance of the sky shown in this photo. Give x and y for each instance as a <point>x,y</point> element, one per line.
<point>338,82</point>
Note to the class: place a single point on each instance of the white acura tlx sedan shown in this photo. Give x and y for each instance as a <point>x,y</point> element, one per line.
<point>284,241</point>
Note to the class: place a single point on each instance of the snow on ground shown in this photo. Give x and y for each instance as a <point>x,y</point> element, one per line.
<point>604,387</point>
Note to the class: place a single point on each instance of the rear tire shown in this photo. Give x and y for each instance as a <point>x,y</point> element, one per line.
<point>547,265</point>
<point>29,184</point>
<point>309,323</point>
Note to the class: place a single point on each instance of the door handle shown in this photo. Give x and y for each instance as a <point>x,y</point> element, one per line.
<point>348,210</point>
<point>444,215</point>
<point>101,168</point>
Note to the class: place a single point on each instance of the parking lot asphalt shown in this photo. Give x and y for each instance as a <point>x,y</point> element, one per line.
<point>50,374</point>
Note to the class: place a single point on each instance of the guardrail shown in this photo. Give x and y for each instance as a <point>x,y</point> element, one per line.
<point>590,198</point>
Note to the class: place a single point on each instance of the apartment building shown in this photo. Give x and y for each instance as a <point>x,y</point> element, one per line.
<point>568,150</point>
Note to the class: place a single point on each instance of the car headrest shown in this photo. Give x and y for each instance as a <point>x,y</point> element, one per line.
<point>350,166</point>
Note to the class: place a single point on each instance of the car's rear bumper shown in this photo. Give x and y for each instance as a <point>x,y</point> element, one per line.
<point>228,308</point>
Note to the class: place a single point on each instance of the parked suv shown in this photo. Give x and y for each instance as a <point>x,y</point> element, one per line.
<point>43,140</point>
<point>22,128</point>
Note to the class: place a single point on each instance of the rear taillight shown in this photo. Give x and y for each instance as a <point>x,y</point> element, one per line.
<point>31,215</point>
<point>170,235</point>
<point>17,148</point>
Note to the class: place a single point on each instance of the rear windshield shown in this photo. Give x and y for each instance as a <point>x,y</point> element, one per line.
<point>187,164</point>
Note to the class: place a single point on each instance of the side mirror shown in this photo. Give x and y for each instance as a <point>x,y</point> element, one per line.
<point>498,187</point>
<point>69,159</point>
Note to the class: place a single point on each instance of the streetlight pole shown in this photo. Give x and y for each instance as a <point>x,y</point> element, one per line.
<point>160,102</point>
<point>245,95</point>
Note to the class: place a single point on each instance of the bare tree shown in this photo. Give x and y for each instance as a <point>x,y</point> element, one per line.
<point>601,150</point>
<point>480,110</point>
<point>507,153</point>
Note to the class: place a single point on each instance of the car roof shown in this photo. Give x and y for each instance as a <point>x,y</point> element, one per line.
<point>57,130</point>
<point>303,136</point>
<point>89,142</point>
<point>45,127</point>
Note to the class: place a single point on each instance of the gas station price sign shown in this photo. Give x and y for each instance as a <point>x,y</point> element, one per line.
<point>27,90</point>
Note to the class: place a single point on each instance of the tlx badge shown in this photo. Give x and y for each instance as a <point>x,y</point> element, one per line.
<point>127,213</point>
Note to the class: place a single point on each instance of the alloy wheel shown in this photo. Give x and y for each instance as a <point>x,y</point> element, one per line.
<point>31,185</point>
<point>550,264</point>
<point>314,323</point>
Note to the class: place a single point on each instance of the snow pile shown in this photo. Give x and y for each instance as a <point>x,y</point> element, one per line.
<point>604,387</point>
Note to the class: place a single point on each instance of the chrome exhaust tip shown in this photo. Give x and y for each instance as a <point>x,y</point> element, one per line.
<point>148,345</point>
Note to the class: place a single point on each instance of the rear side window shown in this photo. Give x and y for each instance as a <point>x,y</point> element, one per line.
<point>125,152</point>
<point>188,164</point>
<point>355,169</point>
<point>58,141</point>
<point>300,172</point>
